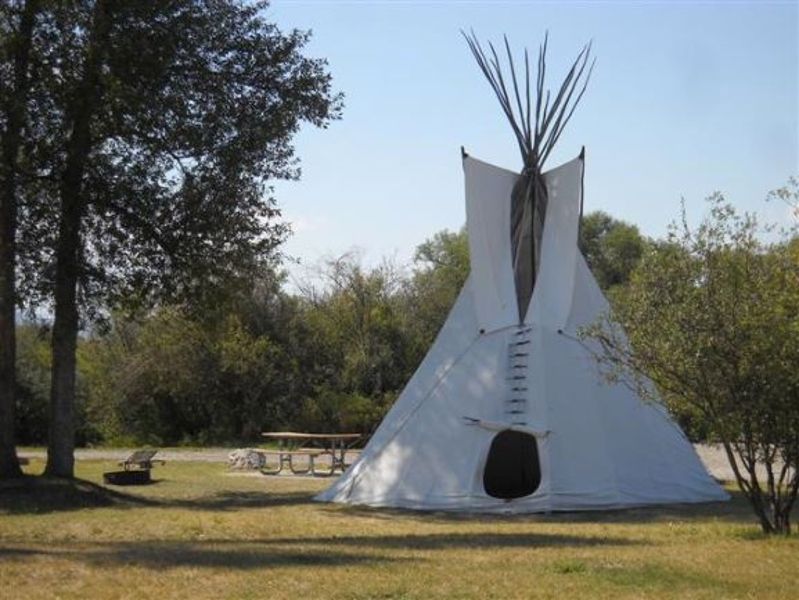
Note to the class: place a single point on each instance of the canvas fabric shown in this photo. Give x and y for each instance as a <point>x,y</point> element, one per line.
<point>599,445</point>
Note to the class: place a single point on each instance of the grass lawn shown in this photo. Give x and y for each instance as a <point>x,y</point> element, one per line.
<point>200,533</point>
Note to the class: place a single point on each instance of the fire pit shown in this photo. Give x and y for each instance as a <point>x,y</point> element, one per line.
<point>133,477</point>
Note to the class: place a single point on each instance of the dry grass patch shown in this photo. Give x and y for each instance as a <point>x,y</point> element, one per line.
<point>199,532</point>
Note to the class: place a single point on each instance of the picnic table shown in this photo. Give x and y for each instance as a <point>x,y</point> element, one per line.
<point>295,444</point>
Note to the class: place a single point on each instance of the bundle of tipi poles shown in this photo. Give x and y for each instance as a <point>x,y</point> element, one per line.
<point>537,119</point>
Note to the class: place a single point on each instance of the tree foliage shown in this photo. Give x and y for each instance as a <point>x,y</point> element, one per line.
<point>441,268</point>
<point>190,115</point>
<point>612,248</point>
<point>360,349</point>
<point>33,383</point>
<point>17,24</point>
<point>157,128</point>
<point>171,379</point>
<point>332,357</point>
<point>712,317</point>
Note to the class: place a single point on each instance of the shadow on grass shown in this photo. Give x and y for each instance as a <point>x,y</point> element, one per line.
<point>298,551</point>
<point>452,541</point>
<point>231,500</point>
<point>240,555</point>
<point>37,494</point>
<point>735,510</point>
<point>34,495</point>
<point>17,552</point>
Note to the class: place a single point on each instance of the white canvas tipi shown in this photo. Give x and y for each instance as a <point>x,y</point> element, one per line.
<point>509,416</point>
<point>508,412</point>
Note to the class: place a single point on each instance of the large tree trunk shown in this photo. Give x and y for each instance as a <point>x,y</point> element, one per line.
<point>61,433</point>
<point>771,506</point>
<point>20,47</point>
<point>61,437</point>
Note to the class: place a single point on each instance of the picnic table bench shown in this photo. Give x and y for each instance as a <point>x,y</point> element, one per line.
<point>136,469</point>
<point>291,446</point>
<point>287,457</point>
<point>141,459</point>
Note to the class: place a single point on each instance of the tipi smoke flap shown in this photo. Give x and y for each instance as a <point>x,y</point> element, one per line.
<point>536,131</point>
<point>508,411</point>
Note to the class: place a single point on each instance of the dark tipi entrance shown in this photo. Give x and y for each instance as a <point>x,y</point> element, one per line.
<point>512,468</point>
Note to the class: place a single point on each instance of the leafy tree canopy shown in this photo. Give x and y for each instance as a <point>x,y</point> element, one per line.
<point>712,317</point>
<point>192,114</point>
<point>441,268</point>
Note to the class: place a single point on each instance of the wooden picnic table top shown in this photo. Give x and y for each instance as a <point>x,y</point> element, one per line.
<point>336,444</point>
<point>311,436</point>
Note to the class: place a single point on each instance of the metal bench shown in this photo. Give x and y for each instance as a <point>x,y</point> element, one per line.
<point>141,459</point>
<point>136,469</point>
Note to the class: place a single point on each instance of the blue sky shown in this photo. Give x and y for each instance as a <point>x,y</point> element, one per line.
<point>687,98</point>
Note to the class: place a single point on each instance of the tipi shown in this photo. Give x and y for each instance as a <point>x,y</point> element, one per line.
<point>508,411</point>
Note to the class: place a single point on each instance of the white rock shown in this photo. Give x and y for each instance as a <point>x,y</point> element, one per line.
<point>246,459</point>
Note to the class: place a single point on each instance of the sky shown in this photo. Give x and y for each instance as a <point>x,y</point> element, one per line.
<point>686,99</point>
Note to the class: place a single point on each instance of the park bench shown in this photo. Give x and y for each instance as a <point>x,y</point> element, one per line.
<point>141,459</point>
<point>136,469</point>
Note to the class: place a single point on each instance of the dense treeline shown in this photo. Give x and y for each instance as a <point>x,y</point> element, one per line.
<point>330,355</point>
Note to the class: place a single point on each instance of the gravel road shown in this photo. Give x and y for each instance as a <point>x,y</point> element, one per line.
<point>168,454</point>
<point>713,457</point>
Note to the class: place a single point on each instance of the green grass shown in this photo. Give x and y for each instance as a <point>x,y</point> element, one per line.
<point>199,532</point>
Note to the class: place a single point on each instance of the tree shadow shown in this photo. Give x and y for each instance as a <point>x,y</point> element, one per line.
<point>323,551</point>
<point>233,500</point>
<point>39,494</point>
<point>19,552</point>
<point>466,540</point>
<point>228,554</point>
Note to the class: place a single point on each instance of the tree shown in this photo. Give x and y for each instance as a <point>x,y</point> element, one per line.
<point>442,265</point>
<point>356,353</point>
<point>17,23</point>
<point>612,248</point>
<point>169,378</point>
<point>788,195</point>
<point>713,320</point>
<point>33,383</point>
<point>165,123</point>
